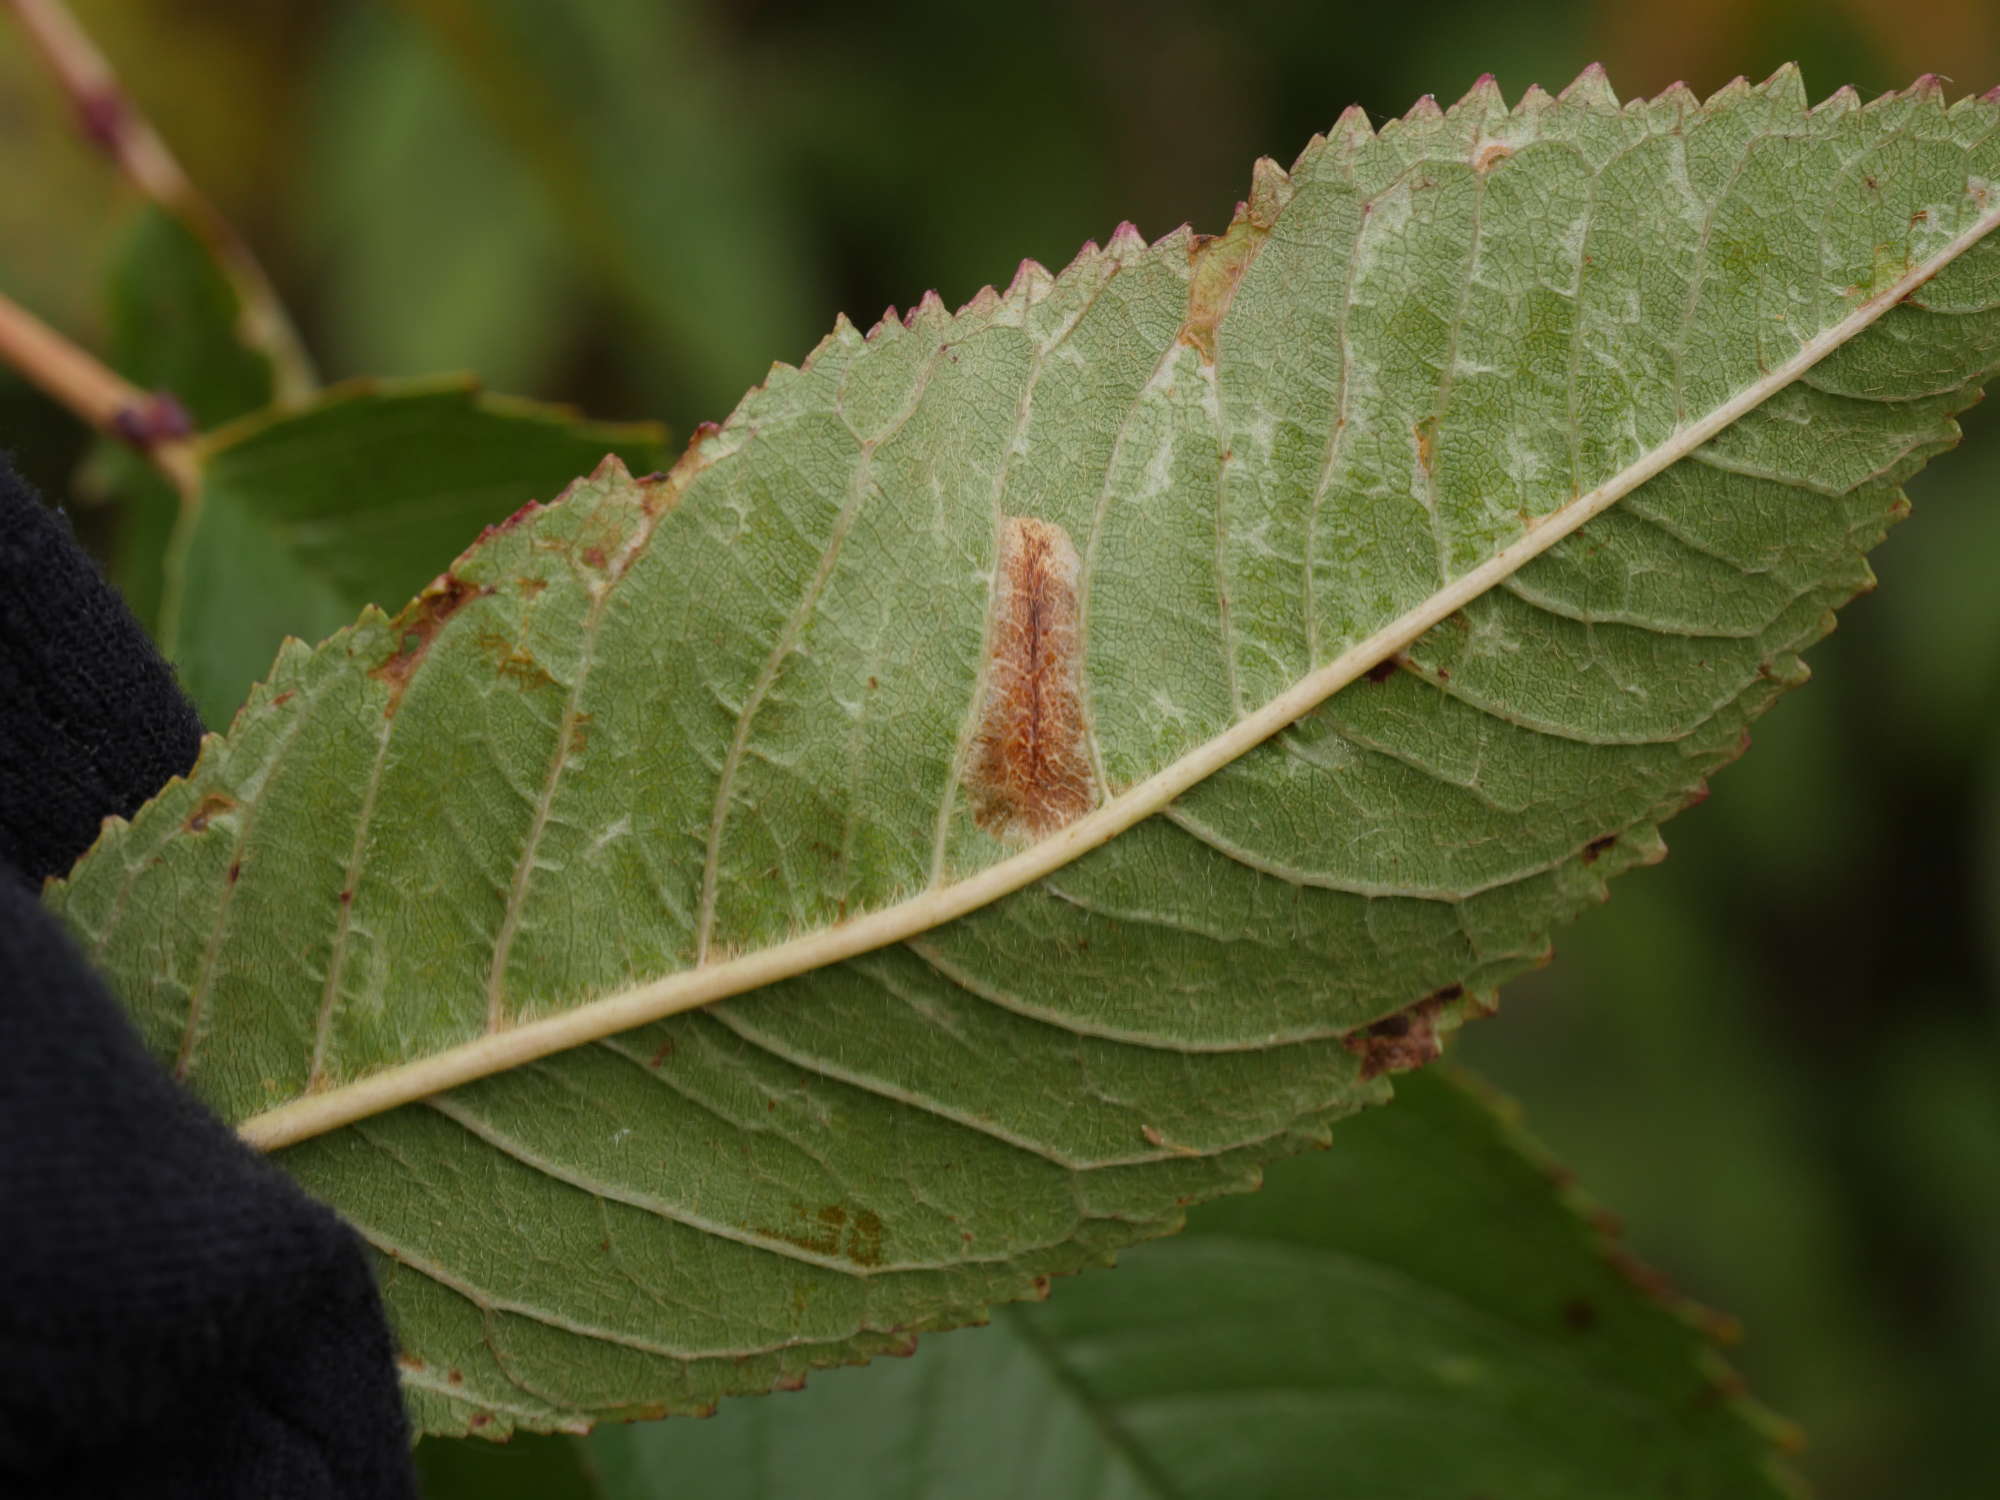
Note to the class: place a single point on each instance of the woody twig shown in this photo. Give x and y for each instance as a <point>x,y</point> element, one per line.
<point>112,122</point>
<point>155,424</point>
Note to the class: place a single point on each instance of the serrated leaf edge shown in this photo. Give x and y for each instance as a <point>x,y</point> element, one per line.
<point>689,989</point>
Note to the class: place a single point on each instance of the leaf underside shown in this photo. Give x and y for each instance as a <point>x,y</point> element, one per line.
<point>865,638</point>
<point>1285,1346</point>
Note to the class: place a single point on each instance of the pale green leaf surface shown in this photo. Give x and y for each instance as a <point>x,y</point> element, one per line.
<point>308,514</point>
<point>669,739</point>
<point>1332,1334</point>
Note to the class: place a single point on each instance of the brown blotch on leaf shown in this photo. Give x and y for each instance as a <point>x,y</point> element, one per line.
<point>479,1419</point>
<point>1597,846</point>
<point>454,1377</point>
<point>1382,671</point>
<point>515,662</point>
<point>1491,155</point>
<point>417,626</point>
<point>1029,774</point>
<point>834,1232</point>
<point>209,808</point>
<point>235,870</point>
<point>1398,1043</point>
<point>1219,262</point>
<point>666,1050</point>
<point>1425,433</point>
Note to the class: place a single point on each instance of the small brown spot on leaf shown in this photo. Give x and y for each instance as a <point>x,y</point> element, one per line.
<point>479,1419</point>
<point>347,898</point>
<point>454,1377</point>
<point>1029,774</point>
<point>1397,1043</point>
<point>1597,846</point>
<point>1152,1135</point>
<point>282,699</point>
<point>1426,435</point>
<point>411,1361</point>
<point>235,870</point>
<point>213,806</point>
<point>1382,671</point>
<point>794,1380</point>
<point>594,556</point>
<point>665,1051</point>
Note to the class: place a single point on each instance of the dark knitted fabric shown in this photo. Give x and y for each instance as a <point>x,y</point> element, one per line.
<point>177,1318</point>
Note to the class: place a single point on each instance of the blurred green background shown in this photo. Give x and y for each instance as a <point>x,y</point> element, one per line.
<point>1774,1056</point>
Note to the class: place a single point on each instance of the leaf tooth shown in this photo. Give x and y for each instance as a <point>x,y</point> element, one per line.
<point>1089,252</point>
<point>1591,88</point>
<point>983,302</point>
<point>1536,102</point>
<point>930,312</point>
<point>1482,99</point>
<point>1732,92</point>
<point>1787,87</point>
<point>1030,284</point>
<point>1426,108</point>
<point>888,326</point>
<point>1270,190</point>
<point>1839,102</point>
<point>1351,129</point>
<point>1927,96</point>
<point>1125,241</point>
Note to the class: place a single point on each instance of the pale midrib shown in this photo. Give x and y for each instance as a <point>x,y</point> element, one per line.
<point>688,989</point>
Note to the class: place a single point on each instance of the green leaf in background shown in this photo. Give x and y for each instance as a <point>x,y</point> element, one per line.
<point>174,326</point>
<point>487,160</point>
<point>1418,1312</point>
<point>1107,728</point>
<point>175,323</point>
<point>306,515</point>
<point>429,240</point>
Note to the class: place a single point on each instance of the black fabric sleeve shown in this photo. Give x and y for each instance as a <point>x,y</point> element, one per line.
<point>177,1318</point>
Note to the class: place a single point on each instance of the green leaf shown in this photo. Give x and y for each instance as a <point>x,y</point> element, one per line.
<point>175,323</point>
<point>307,514</point>
<point>175,327</point>
<point>1420,1311</point>
<point>1107,728</point>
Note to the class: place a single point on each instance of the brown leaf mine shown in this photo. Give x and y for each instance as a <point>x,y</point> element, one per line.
<point>1029,772</point>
